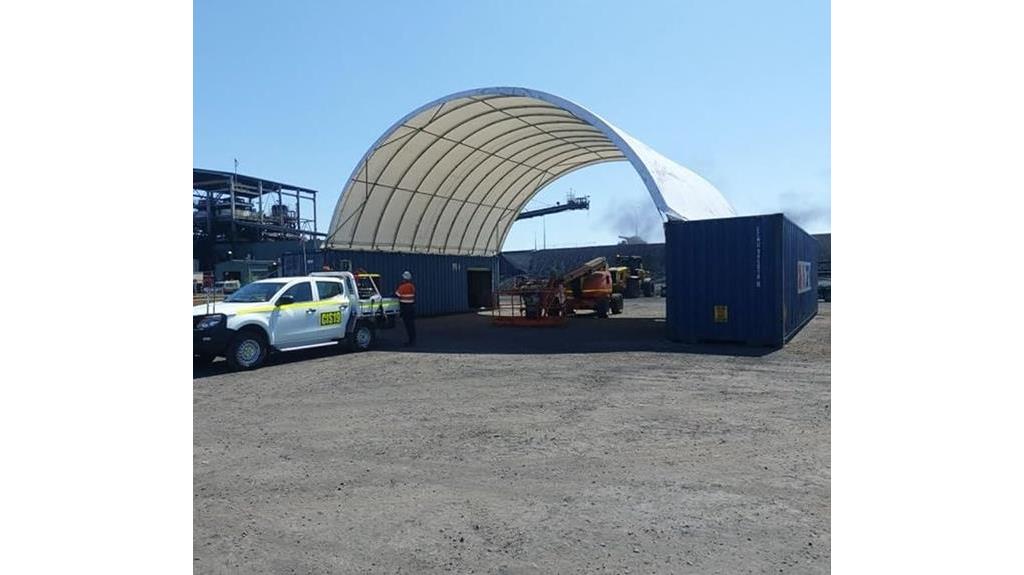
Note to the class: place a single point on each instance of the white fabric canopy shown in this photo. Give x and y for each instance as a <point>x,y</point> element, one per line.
<point>450,177</point>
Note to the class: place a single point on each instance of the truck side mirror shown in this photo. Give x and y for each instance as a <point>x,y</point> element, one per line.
<point>285,300</point>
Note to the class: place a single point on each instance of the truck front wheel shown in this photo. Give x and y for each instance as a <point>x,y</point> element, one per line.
<point>248,350</point>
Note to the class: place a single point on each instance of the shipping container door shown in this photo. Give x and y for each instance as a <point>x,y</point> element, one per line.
<point>479,288</point>
<point>801,253</point>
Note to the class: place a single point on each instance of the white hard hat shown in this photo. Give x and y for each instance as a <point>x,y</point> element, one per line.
<point>406,275</point>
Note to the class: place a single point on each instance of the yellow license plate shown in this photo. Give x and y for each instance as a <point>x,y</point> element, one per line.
<point>330,318</point>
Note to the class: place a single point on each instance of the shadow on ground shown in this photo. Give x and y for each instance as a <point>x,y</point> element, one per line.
<point>471,333</point>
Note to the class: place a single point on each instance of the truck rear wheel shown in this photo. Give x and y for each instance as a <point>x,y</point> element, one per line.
<point>361,338</point>
<point>632,287</point>
<point>616,304</point>
<point>601,308</point>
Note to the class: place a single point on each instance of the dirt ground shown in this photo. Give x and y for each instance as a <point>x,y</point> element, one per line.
<point>592,448</point>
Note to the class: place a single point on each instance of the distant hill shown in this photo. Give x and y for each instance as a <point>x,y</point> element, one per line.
<point>560,260</point>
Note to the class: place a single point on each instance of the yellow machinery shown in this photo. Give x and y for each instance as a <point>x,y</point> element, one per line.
<point>630,278</point>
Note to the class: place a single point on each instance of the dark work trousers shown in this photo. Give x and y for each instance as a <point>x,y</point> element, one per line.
<point>408,313</point>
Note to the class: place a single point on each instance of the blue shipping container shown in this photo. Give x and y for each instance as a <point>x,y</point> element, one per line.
<point>750,280</point>
<point>444,284</point>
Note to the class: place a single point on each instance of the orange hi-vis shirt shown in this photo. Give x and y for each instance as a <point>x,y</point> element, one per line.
<point>406,292</point>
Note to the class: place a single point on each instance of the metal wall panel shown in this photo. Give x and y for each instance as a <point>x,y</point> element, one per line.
<point>801,254</point>
<point>736,280</point>
<point>442,282</point>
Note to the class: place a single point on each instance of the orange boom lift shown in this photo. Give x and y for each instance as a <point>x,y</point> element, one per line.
<point>551,302</point>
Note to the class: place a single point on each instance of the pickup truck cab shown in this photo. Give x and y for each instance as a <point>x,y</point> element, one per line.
<point>284,314</point>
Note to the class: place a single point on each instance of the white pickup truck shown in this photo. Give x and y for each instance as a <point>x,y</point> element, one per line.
<point>284,314</point>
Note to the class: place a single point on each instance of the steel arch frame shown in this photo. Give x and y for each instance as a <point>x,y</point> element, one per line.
<point>690,191</point>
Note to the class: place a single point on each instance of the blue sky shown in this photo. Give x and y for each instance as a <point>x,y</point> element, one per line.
<point>736,91</point>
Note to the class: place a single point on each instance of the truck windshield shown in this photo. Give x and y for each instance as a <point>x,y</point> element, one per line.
<point>256,292</point>
<point>367,289</point>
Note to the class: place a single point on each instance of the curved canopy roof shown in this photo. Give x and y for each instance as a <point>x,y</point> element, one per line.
<point>451,176</point>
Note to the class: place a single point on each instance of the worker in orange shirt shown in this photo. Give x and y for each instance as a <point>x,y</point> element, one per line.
<point>406,293</point>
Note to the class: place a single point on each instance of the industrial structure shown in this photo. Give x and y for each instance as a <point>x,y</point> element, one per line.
<point>235,216</point>
<point>571,203</point>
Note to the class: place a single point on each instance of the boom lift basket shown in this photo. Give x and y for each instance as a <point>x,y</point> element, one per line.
<point>530,306</point>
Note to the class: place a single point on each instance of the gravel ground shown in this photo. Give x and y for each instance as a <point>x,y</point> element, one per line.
<point>596,447</point>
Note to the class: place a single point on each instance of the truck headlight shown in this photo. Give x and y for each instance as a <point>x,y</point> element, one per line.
<point>209,322</point>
